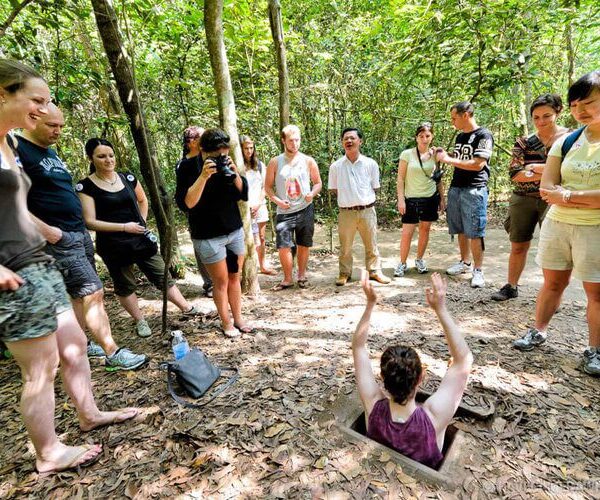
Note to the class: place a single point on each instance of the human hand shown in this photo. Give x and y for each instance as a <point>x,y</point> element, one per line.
<point>554,195</point>
<point>436,294</point>
<point>368,287</point>
<point>53,235</point>
<point>232,165</point>
<point>208,169</point>
<point>442,156</point>
<point>254,211</point>
<point>284,204</point>
<point>9,280</point>
<point>134,228</point>
<point>401,206</point>
<point>309,197</point>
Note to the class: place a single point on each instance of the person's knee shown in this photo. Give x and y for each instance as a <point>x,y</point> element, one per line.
<point>555,285</point>
<point>94,298</point>
<point>43,371</point>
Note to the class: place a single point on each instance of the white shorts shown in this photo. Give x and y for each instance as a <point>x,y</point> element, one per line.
<point>564,247</point>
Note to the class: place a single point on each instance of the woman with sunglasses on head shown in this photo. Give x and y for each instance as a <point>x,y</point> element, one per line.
<point>420,197</point>
<point>115,206</point>
<point>37,322</point>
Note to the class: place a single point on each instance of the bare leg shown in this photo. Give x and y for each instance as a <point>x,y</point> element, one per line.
<point>549,296</point>
<point>38,361</point>
<point>234,294</point>
<point>592,290</point>
<point>477,251</point>
<point>75,373</point>
<point>131,305</point>
<point>261,250</point>
<point>220,278</point>
<point>516,261</point>
<point>175,297</point>
<point>465,250</point>
<point>424,228</point>
<point>405,240</point>
<point>303,253</point>
<point>97,322</point>
<point>287,264</point>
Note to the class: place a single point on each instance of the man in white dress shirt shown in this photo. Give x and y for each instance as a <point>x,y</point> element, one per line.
<point>354,178</point>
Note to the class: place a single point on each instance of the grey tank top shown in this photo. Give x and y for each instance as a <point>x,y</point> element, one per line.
<point>292,183</point>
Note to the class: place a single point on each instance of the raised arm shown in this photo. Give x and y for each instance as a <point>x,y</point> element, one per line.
<point>194,192</point>
<point>368,388</point>
<point>443,403</point>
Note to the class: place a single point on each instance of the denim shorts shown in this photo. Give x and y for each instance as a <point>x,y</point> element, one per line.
<point>74,255</point>
<point>30,311</point>
<point>214,250</point>
<point>300,225</point>
<point>467,211</point>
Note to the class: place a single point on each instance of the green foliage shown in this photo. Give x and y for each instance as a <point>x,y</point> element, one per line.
<point>384,65</point>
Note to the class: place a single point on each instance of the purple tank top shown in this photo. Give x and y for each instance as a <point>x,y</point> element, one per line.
<point>414,438</point>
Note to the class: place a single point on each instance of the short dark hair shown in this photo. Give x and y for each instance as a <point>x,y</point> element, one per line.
<point>583,87</point>
<point>424,126</point>
<point>401,371</point>
<point>352,129</point>
<point>463,107</point>
<point>90,147</point>
<point>552,100</point>
<point>214,139</point>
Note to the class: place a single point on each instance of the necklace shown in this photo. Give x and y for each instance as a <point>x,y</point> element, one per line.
<point>108,182</point>
<point>548,143</point>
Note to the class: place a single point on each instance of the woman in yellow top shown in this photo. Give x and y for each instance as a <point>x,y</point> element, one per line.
<point>570,235</point>
<point>419,198</point>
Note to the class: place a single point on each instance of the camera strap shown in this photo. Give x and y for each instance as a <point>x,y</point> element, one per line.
<point>131,192</point>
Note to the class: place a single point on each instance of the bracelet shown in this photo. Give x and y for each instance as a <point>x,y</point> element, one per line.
<point>567,196</point>
<point>123,228</point>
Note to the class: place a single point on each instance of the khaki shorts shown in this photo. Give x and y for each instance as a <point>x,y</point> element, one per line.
<point>524,213</point>
<point>563,247</point>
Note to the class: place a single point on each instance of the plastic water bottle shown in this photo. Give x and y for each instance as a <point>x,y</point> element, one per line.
<point>179,344</point>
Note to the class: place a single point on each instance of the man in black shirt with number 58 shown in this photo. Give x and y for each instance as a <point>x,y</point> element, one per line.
<point>468,193</point>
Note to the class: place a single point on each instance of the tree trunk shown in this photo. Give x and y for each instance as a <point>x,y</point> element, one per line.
<point>120,64</point>
<point>213,24</point>
<point>280,57</point>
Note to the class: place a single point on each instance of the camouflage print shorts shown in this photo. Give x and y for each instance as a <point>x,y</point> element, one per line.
<point>30,311</point>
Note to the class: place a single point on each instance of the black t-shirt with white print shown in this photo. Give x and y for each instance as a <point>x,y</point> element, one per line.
<point>478,143</point>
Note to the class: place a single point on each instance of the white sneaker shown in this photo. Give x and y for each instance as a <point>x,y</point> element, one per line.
<point>401,268</point>
<point>143,328</point>
<point>477,281</point>
<point>459,268</point>
<point>421,266</point>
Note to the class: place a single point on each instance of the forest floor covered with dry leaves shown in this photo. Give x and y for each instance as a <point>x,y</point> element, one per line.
<point>266,437</point>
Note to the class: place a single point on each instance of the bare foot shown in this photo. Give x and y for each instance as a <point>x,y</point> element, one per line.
<point>270,272</point>
<point>68,457</point>
<point>108,418</point>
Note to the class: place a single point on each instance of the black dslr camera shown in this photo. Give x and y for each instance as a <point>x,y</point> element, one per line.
<point>222,164</point>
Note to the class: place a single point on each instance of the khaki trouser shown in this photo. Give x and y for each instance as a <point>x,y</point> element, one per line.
<point>365,222</point>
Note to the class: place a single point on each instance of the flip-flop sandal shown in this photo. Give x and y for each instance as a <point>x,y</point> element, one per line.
<point>232,332</point>
<point>245,328</point>
<point>303,283</point>
<point>282,286</point>
<point>73,463</point>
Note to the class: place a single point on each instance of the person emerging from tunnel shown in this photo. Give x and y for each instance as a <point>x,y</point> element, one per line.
<point>393,417</point>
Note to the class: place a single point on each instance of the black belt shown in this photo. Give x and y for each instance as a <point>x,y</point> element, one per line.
<point>358,207</point>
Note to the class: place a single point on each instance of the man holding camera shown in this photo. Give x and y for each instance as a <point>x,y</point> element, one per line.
<point>288,185</point>
<point>354,179</point>
<point>57,212</point>
<point>468,194</point>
